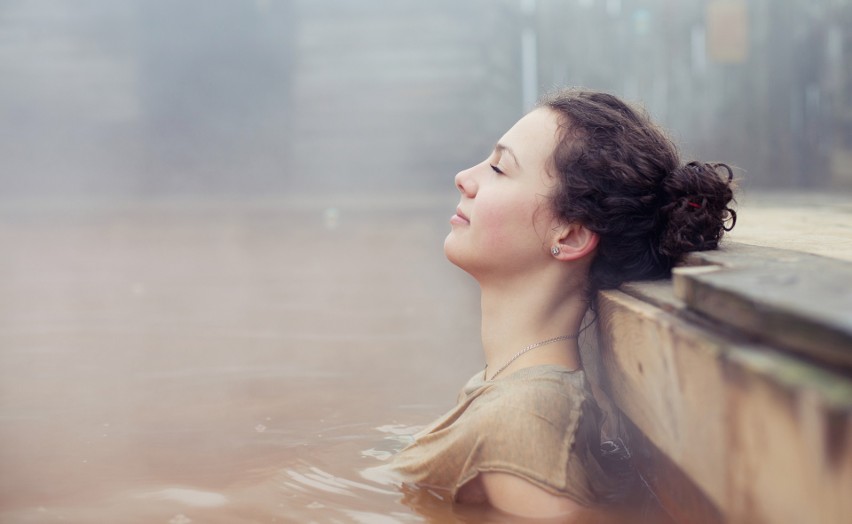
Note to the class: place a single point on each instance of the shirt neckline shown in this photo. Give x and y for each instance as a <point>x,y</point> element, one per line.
<point>478,380</point>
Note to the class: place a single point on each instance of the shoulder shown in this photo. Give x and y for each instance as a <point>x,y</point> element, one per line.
<point>539,411</point>
<point>548,393</point>
<point>538,428</point>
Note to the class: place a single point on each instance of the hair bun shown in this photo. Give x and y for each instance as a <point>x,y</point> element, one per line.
<point>696,213</point>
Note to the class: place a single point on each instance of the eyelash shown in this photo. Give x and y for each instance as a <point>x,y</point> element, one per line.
<point>497,170</point>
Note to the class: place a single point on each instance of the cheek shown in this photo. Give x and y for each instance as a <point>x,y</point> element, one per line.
<point>508,225</point>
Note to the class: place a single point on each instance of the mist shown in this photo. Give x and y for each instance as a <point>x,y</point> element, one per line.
<point>223,292</point>
<point>147,98</point>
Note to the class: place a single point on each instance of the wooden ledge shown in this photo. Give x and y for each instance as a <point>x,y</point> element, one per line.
<point>790,300</point>
<point>763,429</point>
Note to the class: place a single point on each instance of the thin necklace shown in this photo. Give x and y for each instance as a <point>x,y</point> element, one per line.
<point>521,352</point>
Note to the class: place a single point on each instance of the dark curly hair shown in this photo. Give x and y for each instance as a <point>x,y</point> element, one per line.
<point>620,176</point>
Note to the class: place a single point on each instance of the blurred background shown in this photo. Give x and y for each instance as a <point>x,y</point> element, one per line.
<point>149,98</point>
<point>222,289</point>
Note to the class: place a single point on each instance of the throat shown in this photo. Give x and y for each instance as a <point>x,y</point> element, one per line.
<point>527,328</point>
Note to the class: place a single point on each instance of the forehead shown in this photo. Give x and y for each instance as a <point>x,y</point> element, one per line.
<point>533,138</point>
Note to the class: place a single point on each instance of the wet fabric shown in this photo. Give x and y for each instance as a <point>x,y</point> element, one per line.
<point>540,423</point>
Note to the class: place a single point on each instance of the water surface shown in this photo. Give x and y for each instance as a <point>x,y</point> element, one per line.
<point>184,362</point>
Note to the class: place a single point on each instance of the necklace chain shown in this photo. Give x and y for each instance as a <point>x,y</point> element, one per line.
<point>528,348</point>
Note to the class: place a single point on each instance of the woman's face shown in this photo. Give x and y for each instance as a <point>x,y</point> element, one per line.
<point>503,220</point>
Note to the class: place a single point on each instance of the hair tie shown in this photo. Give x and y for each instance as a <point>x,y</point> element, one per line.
<point>690,203</point>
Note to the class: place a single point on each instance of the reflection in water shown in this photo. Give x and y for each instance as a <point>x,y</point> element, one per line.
<point>237,362</point>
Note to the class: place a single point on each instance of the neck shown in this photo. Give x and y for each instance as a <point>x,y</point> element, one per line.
<point>517,314</point>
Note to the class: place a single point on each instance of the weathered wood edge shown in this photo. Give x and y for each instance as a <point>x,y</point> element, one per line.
<point>763,440</point>
<point>794,301</point>
<point>686,384</point>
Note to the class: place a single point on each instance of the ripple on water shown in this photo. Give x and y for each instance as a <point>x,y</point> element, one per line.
<point>340,497</point>
<point>190,497</point>
<point>399,437</point>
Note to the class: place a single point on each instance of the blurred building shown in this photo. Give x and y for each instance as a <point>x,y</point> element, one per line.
<point>390,94</point>
<point>152,97</point>
<point>763,84</point>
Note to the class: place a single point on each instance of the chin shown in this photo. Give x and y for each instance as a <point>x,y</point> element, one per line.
<point>451,251</point>
<point>461,258</point>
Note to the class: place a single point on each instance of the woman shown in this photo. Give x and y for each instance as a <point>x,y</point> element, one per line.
<point>581,194</point>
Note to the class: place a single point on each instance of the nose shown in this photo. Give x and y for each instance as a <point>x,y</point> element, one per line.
<point>466,183</point>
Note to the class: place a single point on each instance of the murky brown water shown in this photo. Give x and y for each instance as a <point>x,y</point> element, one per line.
<point>228,362</point>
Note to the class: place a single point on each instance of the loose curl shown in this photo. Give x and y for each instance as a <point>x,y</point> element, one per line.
<point>620,176</point>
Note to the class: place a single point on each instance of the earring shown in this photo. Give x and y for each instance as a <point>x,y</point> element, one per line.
<point>554,250</point>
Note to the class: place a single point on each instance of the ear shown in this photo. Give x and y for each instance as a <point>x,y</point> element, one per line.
<point>574,241</point>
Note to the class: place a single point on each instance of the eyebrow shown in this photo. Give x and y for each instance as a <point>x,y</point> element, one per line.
<point>500,148</point>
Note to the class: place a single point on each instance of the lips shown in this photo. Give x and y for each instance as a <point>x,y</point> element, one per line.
<point>460,216</point>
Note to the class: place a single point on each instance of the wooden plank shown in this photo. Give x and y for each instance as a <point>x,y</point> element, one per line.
<point>767,437</point>
<point>790,300</point>
<point>675,491</point>
<point>676,398</point>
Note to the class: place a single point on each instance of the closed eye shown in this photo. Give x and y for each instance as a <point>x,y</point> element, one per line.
<point>497,170</point>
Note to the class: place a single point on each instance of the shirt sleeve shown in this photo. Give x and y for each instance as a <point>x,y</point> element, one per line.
<point>545,431</point>
<point>540,434</point>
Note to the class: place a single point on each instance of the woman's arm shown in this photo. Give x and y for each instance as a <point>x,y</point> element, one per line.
<point>516,496</point>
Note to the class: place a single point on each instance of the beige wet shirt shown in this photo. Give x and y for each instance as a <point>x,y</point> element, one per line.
<point>540,423</point>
